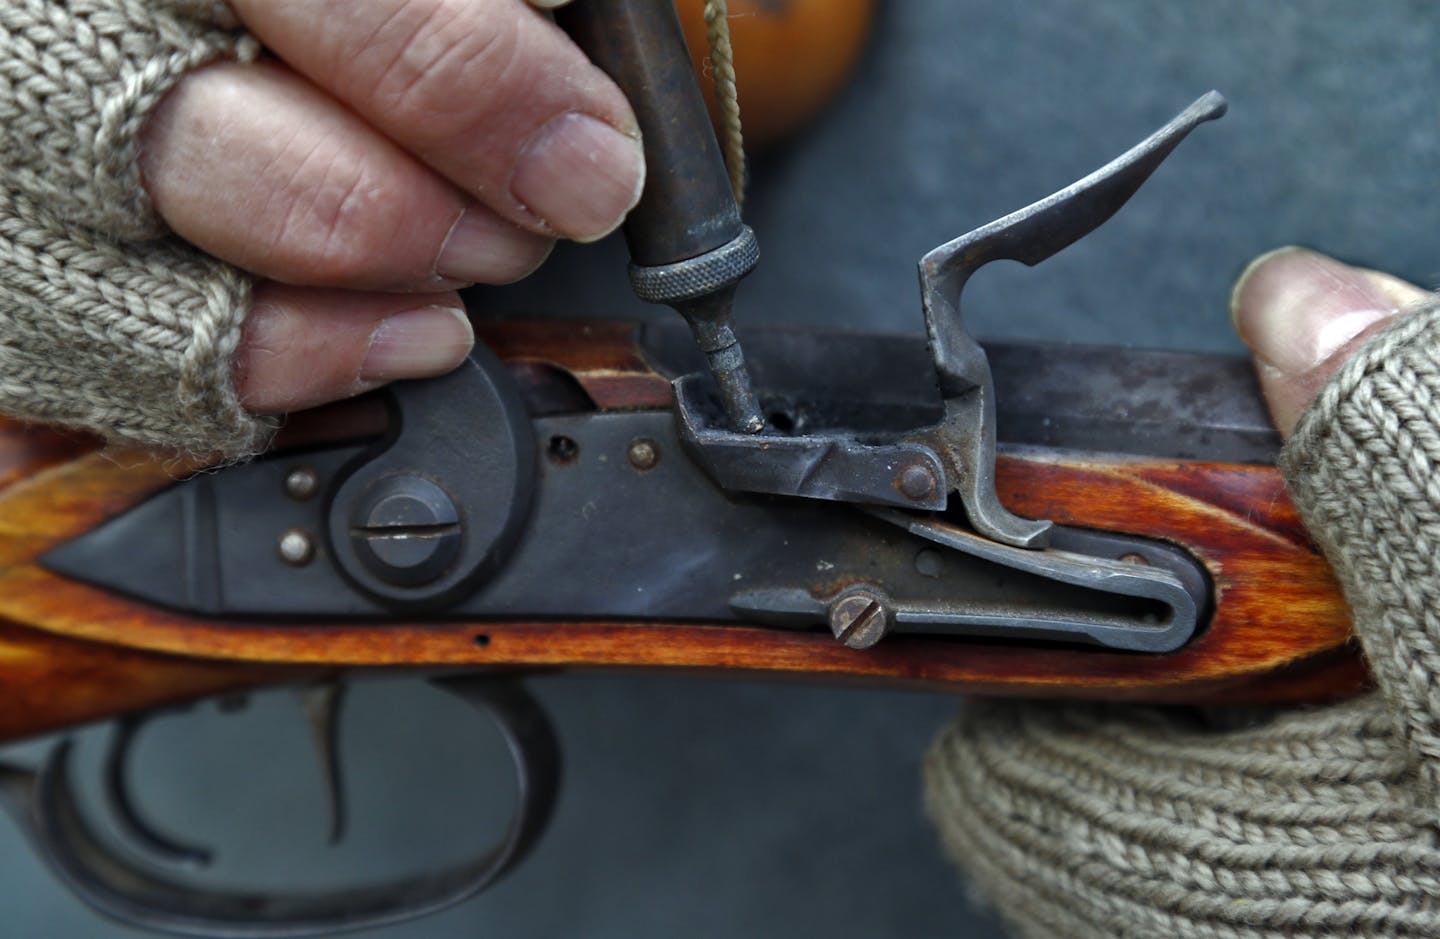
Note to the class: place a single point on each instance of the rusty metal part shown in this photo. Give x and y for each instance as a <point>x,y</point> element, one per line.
<point>688,246</point>
<point>860,617</point>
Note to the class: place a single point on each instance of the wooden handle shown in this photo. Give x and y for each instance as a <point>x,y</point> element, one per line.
<point>49,682</point>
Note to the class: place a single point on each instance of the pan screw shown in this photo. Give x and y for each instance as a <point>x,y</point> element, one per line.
<point>643,454</point>
<point>296,547</point>
<point>406,531</point>
<point>301,483</point>
<point>916,482</point>
<point>860,618</point>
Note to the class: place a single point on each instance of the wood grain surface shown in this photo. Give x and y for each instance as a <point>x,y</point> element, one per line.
<point>70,652</point>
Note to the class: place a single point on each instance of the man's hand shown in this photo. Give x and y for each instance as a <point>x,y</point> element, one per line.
<point>394,151</point>
<point>1303,315</point>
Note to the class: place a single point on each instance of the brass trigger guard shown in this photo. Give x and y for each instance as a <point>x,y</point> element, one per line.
<point>43,803</point>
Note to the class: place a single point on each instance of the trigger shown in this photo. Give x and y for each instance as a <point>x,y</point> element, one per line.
<point>322,704</point>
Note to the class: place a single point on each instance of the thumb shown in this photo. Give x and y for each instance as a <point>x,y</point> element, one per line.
<point>1303,315</point>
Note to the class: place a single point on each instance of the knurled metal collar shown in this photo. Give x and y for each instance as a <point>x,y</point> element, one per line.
<point>698,276</point>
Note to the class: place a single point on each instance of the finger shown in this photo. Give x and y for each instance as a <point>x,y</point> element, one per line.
<point>488,92</point>
<point>302,346</point>
<point>1303,315</point>
<point>258,167</point>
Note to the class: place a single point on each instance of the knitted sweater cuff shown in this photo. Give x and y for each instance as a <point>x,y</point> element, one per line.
<point>1364,469</point>
<point>78,81</point>
<point>133,341</point>
<point>1091,821</point>
<point>105,325</point>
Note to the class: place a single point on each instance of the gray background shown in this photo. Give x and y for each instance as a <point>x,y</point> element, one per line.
<point>711,808</point>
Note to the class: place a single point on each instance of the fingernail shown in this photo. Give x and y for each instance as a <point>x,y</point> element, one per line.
<point>580,176</point>
<point>1295,308</point>
<point>417,344</point>
<point>483,248</point>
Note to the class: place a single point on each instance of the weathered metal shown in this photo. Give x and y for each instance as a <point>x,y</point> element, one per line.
<point>688,246</point>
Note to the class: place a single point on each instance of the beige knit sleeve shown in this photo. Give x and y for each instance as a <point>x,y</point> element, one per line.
<point>1093,821</point>
<point>1364,468</point>
<point>107,323</point>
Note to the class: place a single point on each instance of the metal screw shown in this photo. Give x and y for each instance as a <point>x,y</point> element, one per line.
<point>916,482</point>
<point>296,547</point>
<point>860,618</point>
<point>644,454</point>
<point>301,483</point>
<point>407,530</point>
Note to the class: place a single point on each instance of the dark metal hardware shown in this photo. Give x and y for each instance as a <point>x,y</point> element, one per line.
<point>423,517</point>
<point>126,815</point>
<point>1030,236</point>
<point>1141,607</point>
<point>835,467</point>
<point>860,617</point>
<point>838,466</point>
<point>688,247</point>
<point>1104,399</point>
<point>605,525</point>
<point>45,805</point>
<point>406,530</point>
<point>323,704</point>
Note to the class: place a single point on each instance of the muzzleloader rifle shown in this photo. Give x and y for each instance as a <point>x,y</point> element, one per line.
<point>1023,520</point>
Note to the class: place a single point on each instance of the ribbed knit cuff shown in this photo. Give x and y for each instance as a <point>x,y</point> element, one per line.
<point>1091,821</point>
<point>105,324</point>
<point>133,341</point>
<point>1364,469</point>
<point>78,79</point>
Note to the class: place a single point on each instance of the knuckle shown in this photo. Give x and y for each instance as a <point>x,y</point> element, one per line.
<point>437,56</point>
<point>335,220</point>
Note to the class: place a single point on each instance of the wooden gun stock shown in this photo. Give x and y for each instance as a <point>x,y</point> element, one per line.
<point>71,653</point>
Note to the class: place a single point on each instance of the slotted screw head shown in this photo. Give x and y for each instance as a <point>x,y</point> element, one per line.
<point>407,531</point>
<point>860,618</point>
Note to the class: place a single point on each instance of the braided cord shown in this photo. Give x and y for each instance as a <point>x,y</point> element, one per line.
<point>722,61</point>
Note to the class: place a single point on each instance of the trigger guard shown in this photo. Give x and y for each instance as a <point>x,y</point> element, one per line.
<point>117,888</point>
